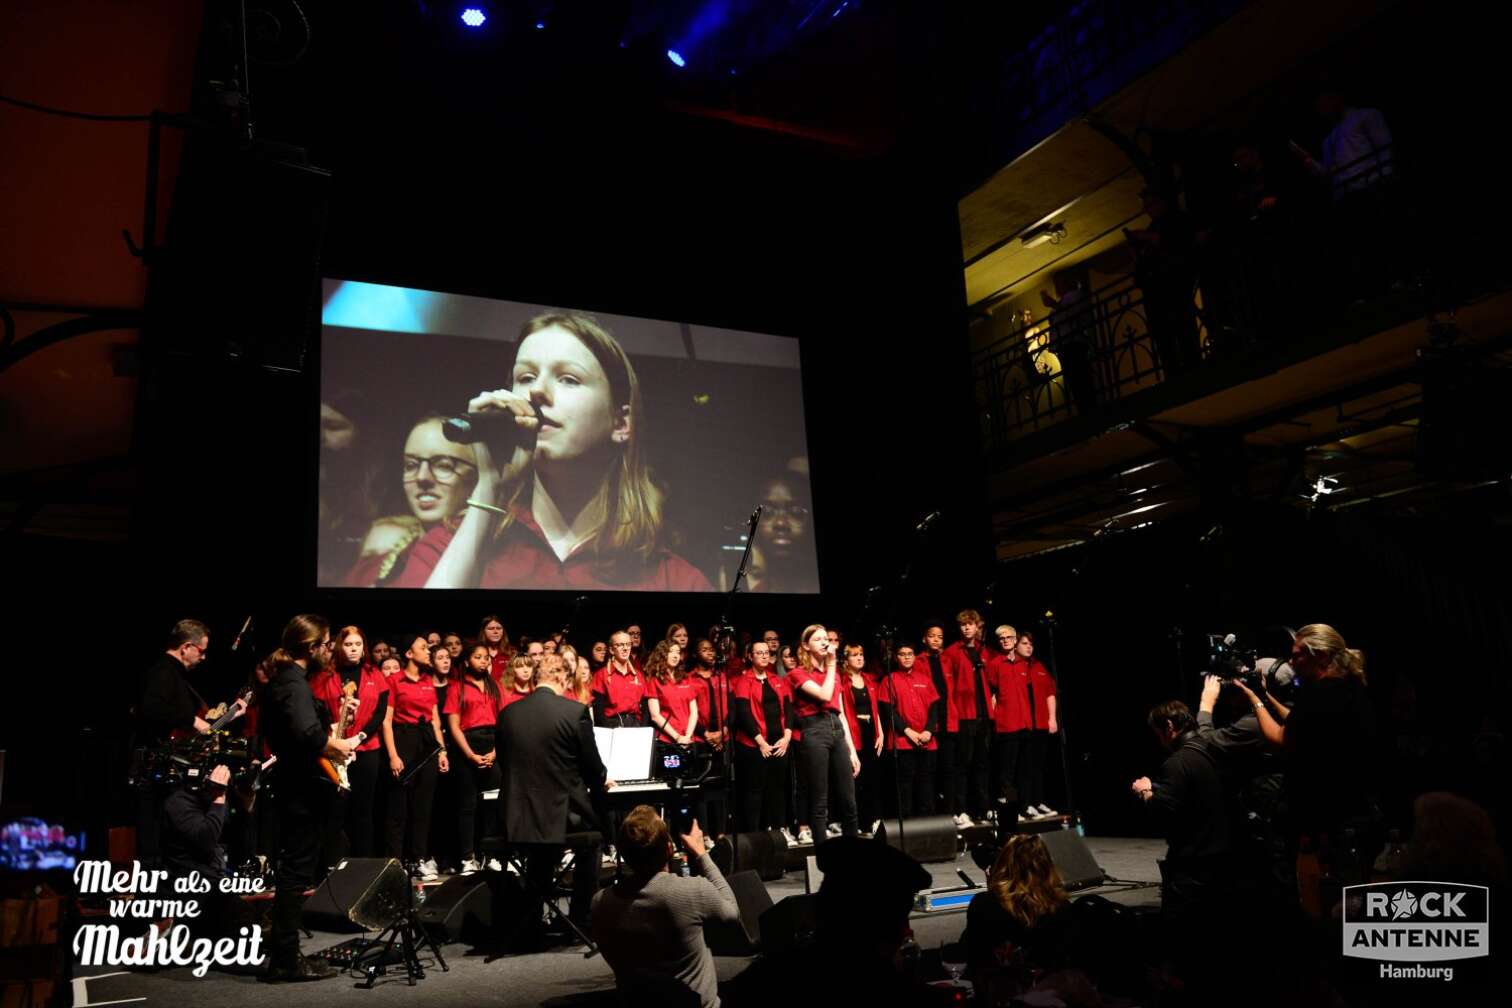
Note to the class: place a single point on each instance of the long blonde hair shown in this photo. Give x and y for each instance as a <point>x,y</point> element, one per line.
<point>1322,639</point>
<point>805,657</point>
<point>1024,880</point>
<point>630,536</point>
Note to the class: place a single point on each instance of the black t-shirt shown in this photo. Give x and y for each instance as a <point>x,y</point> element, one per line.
<point>1331,755</point>
<point>771,712</point>
<point>1195,809</point>
<point>168,702</point>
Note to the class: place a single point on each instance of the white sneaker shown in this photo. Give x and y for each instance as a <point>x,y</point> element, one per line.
<point>962,820</point>
<point>833,830</point>
<point>494,865</point>
<point>875,827</point>
<point>470,866</point>
<point>787,835</point>
<point>1022,818</point>
<point>510,867</point>
<point>428,871</point>
<point>805,836</point>
<point>1046,810</point>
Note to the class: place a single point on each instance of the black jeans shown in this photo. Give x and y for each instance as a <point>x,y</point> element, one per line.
<point>302,804</point>
<point>361,820</point>
<point>474,780</point>
<point>763,789</point>
<point>916,780</point>
<point>945,761</point>
<point>1008,762</point>
<point>1032,767</point>
<point>409,806</point>
<point>824,763</point>
<point>542,861</point>
<point>869,780</point>
<point>972,761</point>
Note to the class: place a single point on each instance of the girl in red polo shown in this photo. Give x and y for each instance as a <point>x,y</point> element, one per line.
<point>520,682</point>
<point>1040,703</point>
<point>671,698</point>
<point>491,634</point>
<point>827,757</point>
<point>865,728</point>
<point>411,729</point>
<point>911,706</point>
<point>355,667</point>
<point>472,709</point>
<point>762,717</point>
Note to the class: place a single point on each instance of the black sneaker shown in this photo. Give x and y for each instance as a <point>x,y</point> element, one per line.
<point>308,969</point>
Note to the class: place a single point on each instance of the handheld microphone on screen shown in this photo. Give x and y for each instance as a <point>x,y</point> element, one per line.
<point>496,427</point>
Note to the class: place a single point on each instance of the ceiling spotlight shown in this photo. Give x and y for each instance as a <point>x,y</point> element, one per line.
<point>676,58</point>
<point>474,17</point>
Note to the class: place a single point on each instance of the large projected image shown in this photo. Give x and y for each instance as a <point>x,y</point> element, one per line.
<point>603,451</point>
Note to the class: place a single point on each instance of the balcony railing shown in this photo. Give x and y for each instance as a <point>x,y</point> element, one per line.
<point>1259,283</point>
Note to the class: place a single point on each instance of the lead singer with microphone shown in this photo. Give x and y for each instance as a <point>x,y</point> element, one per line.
<point>564,497</point>
<point>827,755</point>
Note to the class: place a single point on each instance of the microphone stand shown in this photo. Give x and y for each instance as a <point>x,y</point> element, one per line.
<point>572,617</point>
<point>721,679</point>
<point>1060,718</point>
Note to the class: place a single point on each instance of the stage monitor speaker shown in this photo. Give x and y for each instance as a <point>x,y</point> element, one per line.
<point>763,852</point>
<point>925,839</point>
<point>1078,868</point>
<point>743,938</point>
<point>788,921</point>
<point>462,906</point>
<point>360,894</point>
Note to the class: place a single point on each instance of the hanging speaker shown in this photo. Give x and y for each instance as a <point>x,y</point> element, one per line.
<point>360,894</point>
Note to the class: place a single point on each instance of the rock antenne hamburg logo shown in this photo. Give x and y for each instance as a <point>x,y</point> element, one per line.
<point>1416,921</point>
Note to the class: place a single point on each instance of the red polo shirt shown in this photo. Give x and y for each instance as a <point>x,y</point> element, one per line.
<point>472,705</point>
<point>522,558</point>
<point>676,700</point>
<point>412,700</point>
<point>510,696</point>
<point>807,706</point>
<point>714,695</point>
<point>622,691</point>
<point>747,690</point>
<point>960,671</point>
<point>911,694</point>
<point>1041,687</point>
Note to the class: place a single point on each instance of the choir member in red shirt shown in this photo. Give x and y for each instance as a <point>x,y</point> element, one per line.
<point>865,727</point>
<point>677,633</point>
<point>579,676</point>
<point>472,709</point>
<point>912,708</point>
<point>353,665</point>
<point>1010,720</point>
<point>932,656</point>
<point>965,664</point>
<point>438,477</point>
<point>411,730</point>
<point>598,656</point>
<point>573,504</point>
<point>491,632</point>
<point>1041,704</point>
<point>522,669</point>
<point>619,689</point>
<point>671,700</point>
<point>390,667</point>
<point>827,756</point>
<point>762,719</point>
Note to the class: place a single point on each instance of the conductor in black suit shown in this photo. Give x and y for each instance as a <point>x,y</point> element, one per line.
<point>553,780</point>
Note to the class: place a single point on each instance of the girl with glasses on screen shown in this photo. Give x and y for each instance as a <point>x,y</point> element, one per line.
<point>438,476</point>
<point>573,504</point>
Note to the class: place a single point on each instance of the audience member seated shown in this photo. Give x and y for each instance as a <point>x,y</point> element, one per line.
<point>1024,919</point>
<point>650,923</point>
<point>861,921</point>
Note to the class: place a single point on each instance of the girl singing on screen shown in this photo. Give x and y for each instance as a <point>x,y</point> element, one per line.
<point>573,505</point>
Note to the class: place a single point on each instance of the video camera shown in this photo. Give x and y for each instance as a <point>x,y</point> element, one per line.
<point>1229,661</point>
<point>188,763</point>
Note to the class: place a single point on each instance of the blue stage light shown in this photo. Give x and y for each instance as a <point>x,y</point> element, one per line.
<point>540,25</point>
<point>676,58</point>
<point>473,17</point>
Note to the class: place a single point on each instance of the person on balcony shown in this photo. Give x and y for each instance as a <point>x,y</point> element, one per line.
<point>1165,273</point>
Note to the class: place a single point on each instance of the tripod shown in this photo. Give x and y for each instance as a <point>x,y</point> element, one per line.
<point>412,937</point>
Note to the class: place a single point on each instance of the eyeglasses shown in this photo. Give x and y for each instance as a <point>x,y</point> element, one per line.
<point>444,468</point>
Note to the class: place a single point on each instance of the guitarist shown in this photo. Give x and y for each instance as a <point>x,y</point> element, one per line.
<point>302,795</point>
<point>167,704</point>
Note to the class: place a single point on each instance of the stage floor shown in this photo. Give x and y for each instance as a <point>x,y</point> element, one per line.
<point>557,978</point>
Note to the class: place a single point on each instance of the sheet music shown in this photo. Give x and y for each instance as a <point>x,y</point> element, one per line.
<point>625,752</point>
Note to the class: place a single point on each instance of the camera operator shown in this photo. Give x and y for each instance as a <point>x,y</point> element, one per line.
<point>193,821</point>
<point>1329,741</point>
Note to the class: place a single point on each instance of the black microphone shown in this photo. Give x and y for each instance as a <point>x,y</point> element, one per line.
<point>240,633</point>
<point>927,521</point>
<point>496,427</point>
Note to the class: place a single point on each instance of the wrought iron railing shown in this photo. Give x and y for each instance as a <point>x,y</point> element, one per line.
<point>1271,279</point>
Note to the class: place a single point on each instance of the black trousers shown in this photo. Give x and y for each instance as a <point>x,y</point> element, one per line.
<point>302,803</point>
<point>409,805</point>
<point>1032,767</point>
<point>1008,758</point>
<point>915,780</point>
<point>824,763</point>
<point>869,780</point>
<point>972,764</point>
<point>473,780</point>
<point>763,789</point>
<point>361,819</point>
<point>542,861</point>
<point>946,788</point>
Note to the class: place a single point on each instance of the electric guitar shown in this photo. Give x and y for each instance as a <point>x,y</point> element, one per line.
<point>337,772</point>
